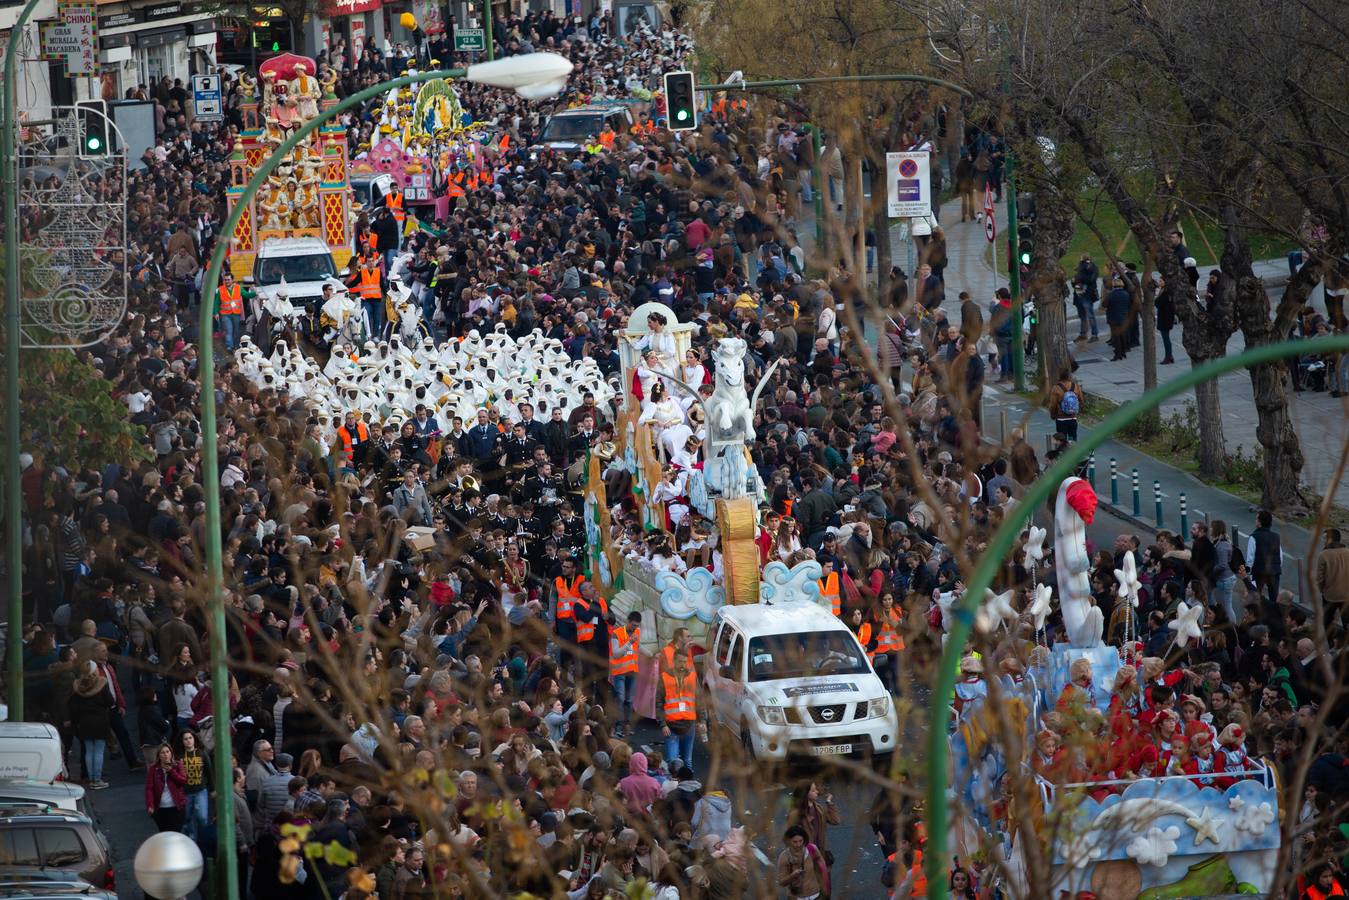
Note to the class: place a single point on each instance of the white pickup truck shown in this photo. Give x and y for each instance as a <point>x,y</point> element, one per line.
<point>790,679</point>
<point>305,263</point>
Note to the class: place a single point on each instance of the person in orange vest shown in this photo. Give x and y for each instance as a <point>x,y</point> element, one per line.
<point>1324,885</point>
<point>454,185</point>
<point>678,705</point>
<point>592,637</point>
<point>568,589</point>
<point>624,640</point>
<point>229,313</point>
<point>395,203</point>
<point>886,623</point>
<point>355,437</point>
<point>678,646</point>
<point>367,282</point>
<point>607,136</point>
<point>830,594</point>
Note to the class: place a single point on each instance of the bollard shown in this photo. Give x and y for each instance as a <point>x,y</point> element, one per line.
<point>1236,540</point>
<point>1184,517</point>
<point>1157,502</point>
<point>1138,499</point>
<point>1091,471</point>
<point>1002,416</point>
<point>1114,481</point>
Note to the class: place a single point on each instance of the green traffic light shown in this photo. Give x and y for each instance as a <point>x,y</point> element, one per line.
<point>94,144</point>
<point>1025,259</point>
<point>682,115</point>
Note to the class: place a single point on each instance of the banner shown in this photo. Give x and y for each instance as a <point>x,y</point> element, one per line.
<point>430,16</point>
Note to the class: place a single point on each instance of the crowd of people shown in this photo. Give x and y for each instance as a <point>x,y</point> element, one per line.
<point>423,670</point>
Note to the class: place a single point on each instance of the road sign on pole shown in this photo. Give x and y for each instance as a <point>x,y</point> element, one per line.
<point>990,216</point>
<point>908,184</point>
<point>206,104</point>
<point>469,40</point>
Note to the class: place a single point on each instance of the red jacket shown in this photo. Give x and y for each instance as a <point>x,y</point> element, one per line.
<point>154,785</point>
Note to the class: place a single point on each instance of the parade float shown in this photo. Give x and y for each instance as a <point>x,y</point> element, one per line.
<point>1212,832</point>
<point>427,143</point>
<point>725,491</point>
<point>308,195</point>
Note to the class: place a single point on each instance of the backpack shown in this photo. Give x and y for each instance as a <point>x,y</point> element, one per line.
<point>1069,405</point>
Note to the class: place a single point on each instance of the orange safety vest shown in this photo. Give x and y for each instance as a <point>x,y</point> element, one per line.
<point>455,185</point>
<point>585,631</point>
<point>231,301</point>
<point>919,888</point>
<point>369,285</point>
<point>668,653</point>
<point>864,636</point>
<point>829,592</point>
<point>1315,892</point>
<point>348,444</point>
<point>888,639</point>
<point>623,650</point>
<point>681,697</point>
<point>395,203</point>
<point>607,139</point>
<point>567,596</point>
<point>371,242</point>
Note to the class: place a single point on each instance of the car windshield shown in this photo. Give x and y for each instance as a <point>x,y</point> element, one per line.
<point>774,656</point>
<point>572,128</point>
<point>361,191</point>
<point>313,267</point>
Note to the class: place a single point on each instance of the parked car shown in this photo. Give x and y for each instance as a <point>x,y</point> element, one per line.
<point>66,887</point>
<point>38,841</point>
<point>58,794</point>
<point>31,750</point>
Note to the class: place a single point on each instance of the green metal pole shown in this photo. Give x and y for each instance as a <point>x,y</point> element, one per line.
<point>226,851</point>
<point>1000,546</point>
<point>490,46</point>
<point>13,492</point>
<point>1014,280</point>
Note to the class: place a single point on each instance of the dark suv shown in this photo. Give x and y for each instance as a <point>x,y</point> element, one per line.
<point>40,842</point>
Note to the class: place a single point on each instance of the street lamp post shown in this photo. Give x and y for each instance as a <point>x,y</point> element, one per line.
<point>999,548</point>
<point>531,75</point>
<point>9,183</point>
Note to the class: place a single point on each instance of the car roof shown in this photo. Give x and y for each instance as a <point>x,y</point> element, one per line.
<point>589,110</point>
<point>34,813</point>
<point>296,246</point>
<point>781,618</point>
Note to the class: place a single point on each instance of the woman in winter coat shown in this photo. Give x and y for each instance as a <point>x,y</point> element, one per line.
<point>712,816</point>
<point>165,790</point>
<point>90,718</point>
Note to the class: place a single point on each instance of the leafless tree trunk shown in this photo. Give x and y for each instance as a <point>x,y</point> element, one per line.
<point>1054,223</point>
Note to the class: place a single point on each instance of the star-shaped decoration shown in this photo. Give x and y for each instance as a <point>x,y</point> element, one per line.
<point>996,609</point>
<point>1040,605</point>
<point>1186,623</point>
<point>1128,581</point>
<point>1205,825</point>
<point>1035,544</point>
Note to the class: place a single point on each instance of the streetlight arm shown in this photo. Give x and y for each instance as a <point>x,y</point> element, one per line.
<point>1000,546</point>
<point>743,85</point>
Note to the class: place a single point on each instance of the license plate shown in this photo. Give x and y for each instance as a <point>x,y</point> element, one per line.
<point>831,750</point>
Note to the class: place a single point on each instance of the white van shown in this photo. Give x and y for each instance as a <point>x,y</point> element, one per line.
<point>790,679</point>
<point>305,264</point>
<point>58,794</point>
<point>30,750</point>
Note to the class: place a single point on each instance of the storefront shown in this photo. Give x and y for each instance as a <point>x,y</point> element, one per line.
<point>355,23</point>
<point>140,45</point>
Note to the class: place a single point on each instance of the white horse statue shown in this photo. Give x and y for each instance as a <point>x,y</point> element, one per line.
<point>1073,512</point>
<point>730,419</point>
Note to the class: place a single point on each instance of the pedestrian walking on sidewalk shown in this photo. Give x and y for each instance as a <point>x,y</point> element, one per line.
<point>1265,555</point>
<point>1166,319</point>
<point>1085,295</point>
<point>1065,402</point>
<point>1118,304</point>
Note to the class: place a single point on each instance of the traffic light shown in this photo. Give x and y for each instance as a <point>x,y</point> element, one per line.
<point>1025,237</point>
<point>94,128</point>
<point>681,105</point>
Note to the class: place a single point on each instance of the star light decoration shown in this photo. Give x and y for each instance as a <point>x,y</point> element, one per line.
<point>1040,606</point>
<point>1035,544</point>
<point>995,610</point>
<point>1186,623</point>
<point>1128,581</point>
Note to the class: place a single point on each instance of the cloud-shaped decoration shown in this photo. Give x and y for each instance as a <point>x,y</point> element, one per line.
<point>1128,581</point>
<point>1155,847</point>
<point>995,610</point>
<point>689,595</point>
<point>698,498</point>
<point>1252,818</point>
<point>781,584</point>
<point>1083,848</point>
<point>1035,544</point>
<point>1041,605</point>
<point>1186,623</point>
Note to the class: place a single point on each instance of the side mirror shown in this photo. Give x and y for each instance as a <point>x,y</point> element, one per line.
<point>726,672</point>
<point>247,279</point>
<point>345,271</point>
